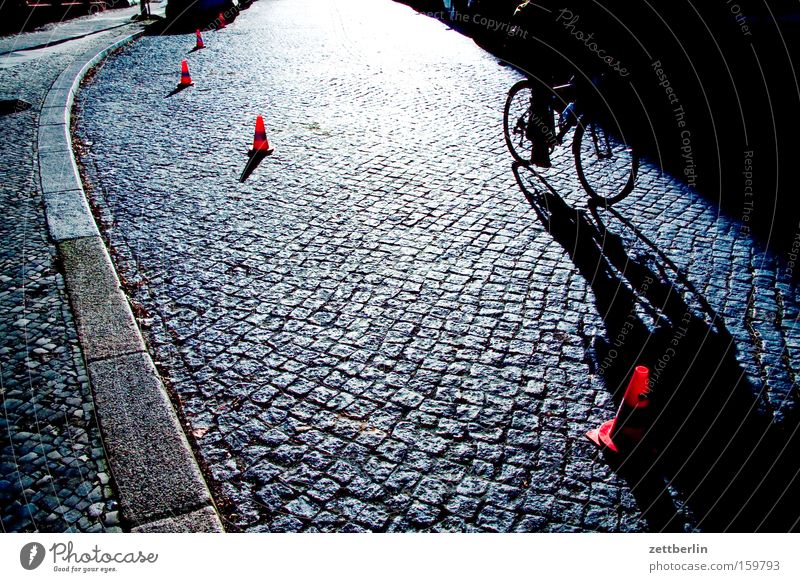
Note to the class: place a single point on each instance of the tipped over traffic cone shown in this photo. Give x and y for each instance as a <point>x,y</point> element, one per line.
<point>221,21</point>
<point>186,78</point>
<point>260,142</point>
<point>199,43</point>
<point>630,425</point>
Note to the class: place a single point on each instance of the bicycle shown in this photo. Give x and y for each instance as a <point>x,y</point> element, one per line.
<point>605,163</point>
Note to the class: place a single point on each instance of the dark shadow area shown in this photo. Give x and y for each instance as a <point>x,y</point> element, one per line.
<point>713,437</point>
<point>253,160</point>
<point>11,106</point>
<point>177,90</point>
<point>710,88</point>
<point>184,16</point>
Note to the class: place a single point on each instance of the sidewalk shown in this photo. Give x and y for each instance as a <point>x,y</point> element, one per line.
<point>76,28</point>
<point>53,470</point>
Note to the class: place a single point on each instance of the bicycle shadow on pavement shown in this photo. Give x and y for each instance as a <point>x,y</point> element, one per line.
<point>712,437</point>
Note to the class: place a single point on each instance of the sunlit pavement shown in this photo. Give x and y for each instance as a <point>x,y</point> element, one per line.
<point>376,331</point>
<point>17,49</point>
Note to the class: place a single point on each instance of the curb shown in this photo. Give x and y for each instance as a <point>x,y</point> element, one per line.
<point>160,486</point>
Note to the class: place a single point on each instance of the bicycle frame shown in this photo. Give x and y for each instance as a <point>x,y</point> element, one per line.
<point>605,163</point>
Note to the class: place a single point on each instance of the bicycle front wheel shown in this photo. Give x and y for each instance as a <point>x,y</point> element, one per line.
<point>516,117</point>
<point>606,163</point>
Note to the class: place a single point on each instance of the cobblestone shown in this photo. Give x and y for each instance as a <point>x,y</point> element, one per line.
<point>51,454</point>
<point>376,329</point>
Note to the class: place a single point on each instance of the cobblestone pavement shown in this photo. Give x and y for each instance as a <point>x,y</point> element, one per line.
<point>376,331</point>
<point>53,472</point>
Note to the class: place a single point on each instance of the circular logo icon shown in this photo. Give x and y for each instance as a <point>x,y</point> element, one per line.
<point>31,555</point>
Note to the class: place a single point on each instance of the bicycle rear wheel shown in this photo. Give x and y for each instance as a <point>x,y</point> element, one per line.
<point>606,163</point>
<point>516,117</point>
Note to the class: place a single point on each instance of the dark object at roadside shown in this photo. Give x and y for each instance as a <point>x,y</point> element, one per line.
<point>9,106</point>
<point>202,14</point>
<point>708,86</point>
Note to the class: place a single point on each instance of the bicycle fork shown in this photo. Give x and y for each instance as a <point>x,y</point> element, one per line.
<point>567,120</point>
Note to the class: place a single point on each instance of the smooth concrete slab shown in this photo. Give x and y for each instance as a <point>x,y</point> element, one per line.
<point>70,74</point>
<point>58,173</point>
<point>154,470</point>
<point>104,319</point>
<point>58,96</point>
<point>68,216</point>
<point>53,116</point>
<point>53,138</point>
<point>64,83</point>
<point>104,22</point>
<point>203,520</point>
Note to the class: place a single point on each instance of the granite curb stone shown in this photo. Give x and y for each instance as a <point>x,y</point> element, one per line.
<point>160,485</point>
<point>53,137</point>
<point>105,323</point>
<point>58,170</point>
<point>154,471</point>
<point>202,520</point>
<point>70,216</point>
<point>53,116</point>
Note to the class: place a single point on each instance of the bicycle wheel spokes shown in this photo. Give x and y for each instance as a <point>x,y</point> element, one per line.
<point>606,164</point>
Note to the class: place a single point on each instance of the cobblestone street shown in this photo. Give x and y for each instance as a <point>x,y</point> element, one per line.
<point>387,327</point>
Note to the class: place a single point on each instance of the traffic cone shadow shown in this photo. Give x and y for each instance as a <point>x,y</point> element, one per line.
<point>261,149</point>
<point>254,159</point>
<point>175,91</point>
<point>186,79</point>
<point>199,44</point>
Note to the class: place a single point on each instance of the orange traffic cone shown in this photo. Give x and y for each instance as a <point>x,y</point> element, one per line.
<point>260,142</point>
<point>629,426</point>
<point>186,78</point>
<point>221,21</point>
<point>199,44</point>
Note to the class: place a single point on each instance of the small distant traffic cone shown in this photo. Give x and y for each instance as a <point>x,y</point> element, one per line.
<point>631,422</point>
<point>186,78</point>
<point>221,21</point>
<point>199,43</point>
<point>260,142</point>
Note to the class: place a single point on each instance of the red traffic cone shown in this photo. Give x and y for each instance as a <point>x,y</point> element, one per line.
<point>260,142</point>
<point>221,21</point>
<point>629,426</point>
<point>186,78</point>
<point>199,44</point>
